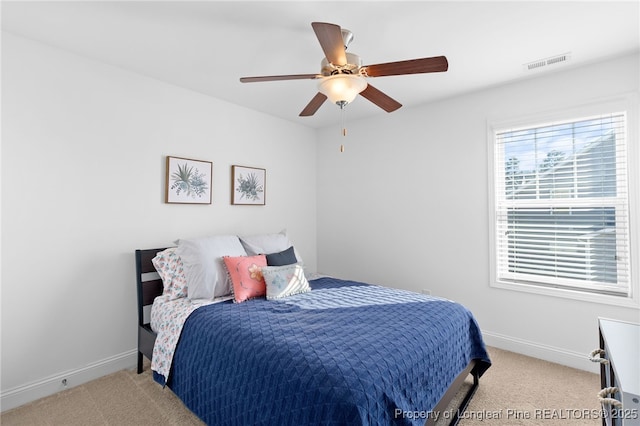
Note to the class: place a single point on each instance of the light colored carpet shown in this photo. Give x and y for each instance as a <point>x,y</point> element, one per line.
<point>516,390</point>
<point>519,390</point>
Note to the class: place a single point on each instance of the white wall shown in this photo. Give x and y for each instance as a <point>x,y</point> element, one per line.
<point>406,205</point>
<point>83,152</point>
<point>83,149</point>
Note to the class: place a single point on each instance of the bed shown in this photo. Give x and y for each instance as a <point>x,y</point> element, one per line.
<point>339,353</point>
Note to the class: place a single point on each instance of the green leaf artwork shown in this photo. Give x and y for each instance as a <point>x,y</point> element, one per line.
<point>188,180</point>
<point>249,187</point>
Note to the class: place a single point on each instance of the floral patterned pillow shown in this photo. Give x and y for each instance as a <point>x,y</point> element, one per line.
<point>246,276</point>
<point>171,270</point>
<point>283,281</point>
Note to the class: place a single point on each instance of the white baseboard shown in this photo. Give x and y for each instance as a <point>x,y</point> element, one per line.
<point>540,351</point>
<point>24,394</point>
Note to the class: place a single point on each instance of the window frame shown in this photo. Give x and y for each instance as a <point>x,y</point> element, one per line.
<point>627,103</point>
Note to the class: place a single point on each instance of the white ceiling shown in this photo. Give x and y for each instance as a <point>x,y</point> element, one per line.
<point>207,45</point>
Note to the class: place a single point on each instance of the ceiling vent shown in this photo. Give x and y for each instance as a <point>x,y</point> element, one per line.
<point>541,63</point>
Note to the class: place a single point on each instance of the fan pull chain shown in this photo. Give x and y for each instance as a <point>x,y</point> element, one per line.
<point>342,126</point>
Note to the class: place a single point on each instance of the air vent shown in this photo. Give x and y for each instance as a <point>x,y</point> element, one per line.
<point>541,63</point>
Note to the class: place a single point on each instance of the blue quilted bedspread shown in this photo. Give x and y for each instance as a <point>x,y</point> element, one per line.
<point>346,353</point>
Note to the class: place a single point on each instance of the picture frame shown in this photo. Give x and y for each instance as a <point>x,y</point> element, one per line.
<point>188,181</point>
<point>248,185</point>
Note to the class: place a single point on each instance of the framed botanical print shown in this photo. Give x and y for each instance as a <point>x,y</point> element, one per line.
<point>248,185</point>
<point>188,181</point>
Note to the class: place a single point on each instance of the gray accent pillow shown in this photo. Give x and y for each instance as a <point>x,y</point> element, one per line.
<point>285,257</point>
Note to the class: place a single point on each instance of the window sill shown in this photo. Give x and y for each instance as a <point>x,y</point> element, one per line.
<point>622,301</point>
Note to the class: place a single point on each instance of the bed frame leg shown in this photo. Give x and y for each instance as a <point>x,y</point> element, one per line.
<point>467,398</point>
<point>139,362</point>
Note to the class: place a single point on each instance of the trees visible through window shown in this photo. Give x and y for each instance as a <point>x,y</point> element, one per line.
<point>561,205</point>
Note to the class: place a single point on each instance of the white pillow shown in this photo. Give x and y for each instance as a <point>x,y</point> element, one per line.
<point>203,265</point>
<point>268,244</point>
<point>284,281</point>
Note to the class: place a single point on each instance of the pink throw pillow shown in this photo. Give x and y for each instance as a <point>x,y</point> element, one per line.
<point>246,276</point>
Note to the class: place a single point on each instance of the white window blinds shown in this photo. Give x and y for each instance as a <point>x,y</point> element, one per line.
<point>561,205</point>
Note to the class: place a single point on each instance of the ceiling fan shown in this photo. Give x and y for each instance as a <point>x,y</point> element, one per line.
<point>343,76</point>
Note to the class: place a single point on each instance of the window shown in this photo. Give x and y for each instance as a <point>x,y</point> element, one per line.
<point>560,206</point>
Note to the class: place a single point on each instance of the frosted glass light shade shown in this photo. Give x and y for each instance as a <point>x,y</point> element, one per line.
<point>342,87</point>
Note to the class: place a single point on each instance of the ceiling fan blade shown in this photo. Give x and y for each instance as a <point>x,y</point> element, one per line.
<point>279,77</point>
<point>412,66</point>
<point>313,106</point>
<point>330,38</point>
<point>384,101</point>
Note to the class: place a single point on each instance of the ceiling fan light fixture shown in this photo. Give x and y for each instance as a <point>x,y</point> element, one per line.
<point>342,76</point>
<point>342,87</point>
